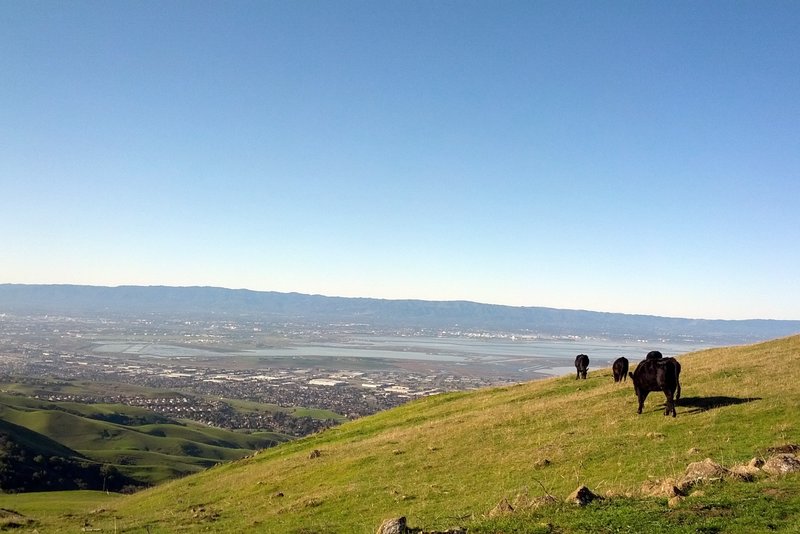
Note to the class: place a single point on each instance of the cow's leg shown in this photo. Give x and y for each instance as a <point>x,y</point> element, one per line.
<point>642,396</point>
<point>577,376</point>
<point>678,391</point>
<point>670,403</point>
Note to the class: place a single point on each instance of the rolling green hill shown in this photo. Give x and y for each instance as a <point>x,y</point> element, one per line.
<point>34,442</point>
<point>140,444</point>
<point>30,461</point>
<point>447,461</point>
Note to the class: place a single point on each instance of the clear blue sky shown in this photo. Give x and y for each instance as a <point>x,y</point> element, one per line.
<point>624,156</point>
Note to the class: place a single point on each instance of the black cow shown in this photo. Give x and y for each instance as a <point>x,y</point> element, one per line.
<point>656,355</point>
<point>657,375</point>
<point>620,369</point>
<point>581,365</point>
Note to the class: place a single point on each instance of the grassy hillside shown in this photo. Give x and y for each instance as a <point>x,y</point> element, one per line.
<point>44,387</point>
<point>30,461</point>
<point>36,388</point>
<point>49,508</point>
<point>35,442</point>
<point>447,460</point>
<point>140,444</point>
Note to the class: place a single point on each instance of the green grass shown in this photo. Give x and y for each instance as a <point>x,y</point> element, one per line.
<point>152,467</point>
<point>87,435</point>
<point>447,460</point>
<point>33,441</point>
<point>154,452</point>
<point>27,512</point>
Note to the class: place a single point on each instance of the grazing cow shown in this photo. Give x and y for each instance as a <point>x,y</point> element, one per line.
<point>657,375</point>
<point>620,369</point>
<point>581,365</point>
<point>656,355</point>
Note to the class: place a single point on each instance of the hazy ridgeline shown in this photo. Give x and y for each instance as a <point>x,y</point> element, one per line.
<point>376,313</point>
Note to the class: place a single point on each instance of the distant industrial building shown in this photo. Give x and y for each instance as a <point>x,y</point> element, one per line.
<point>325,382</point>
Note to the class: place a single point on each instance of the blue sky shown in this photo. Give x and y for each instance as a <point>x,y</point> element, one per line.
<point>630,156</point>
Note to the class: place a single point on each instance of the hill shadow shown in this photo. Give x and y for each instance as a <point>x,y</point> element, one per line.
<point>702,404</point>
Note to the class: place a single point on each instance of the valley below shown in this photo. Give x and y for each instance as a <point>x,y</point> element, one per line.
<point>227,422</point>
<point>349,370</point>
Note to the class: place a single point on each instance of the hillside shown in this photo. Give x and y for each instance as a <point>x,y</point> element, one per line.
<point>447,460</point>
<point>143,447</point>
<point>30,461</point>
<point>376,313</point>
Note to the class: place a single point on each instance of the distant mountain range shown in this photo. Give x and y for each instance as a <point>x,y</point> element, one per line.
<point>377,313</point>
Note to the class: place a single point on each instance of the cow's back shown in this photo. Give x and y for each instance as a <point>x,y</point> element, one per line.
<point>656,374</point>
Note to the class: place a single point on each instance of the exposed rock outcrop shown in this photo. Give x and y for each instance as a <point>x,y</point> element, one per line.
<point>789,448</point>
<point>708,470</point>
<point>704,471</point>
<point>395,525</point>
<point>399,525</point>
<point>502,508</point>
<point>781,464</point>
<point>582,496</point>
<point>668,487</point>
